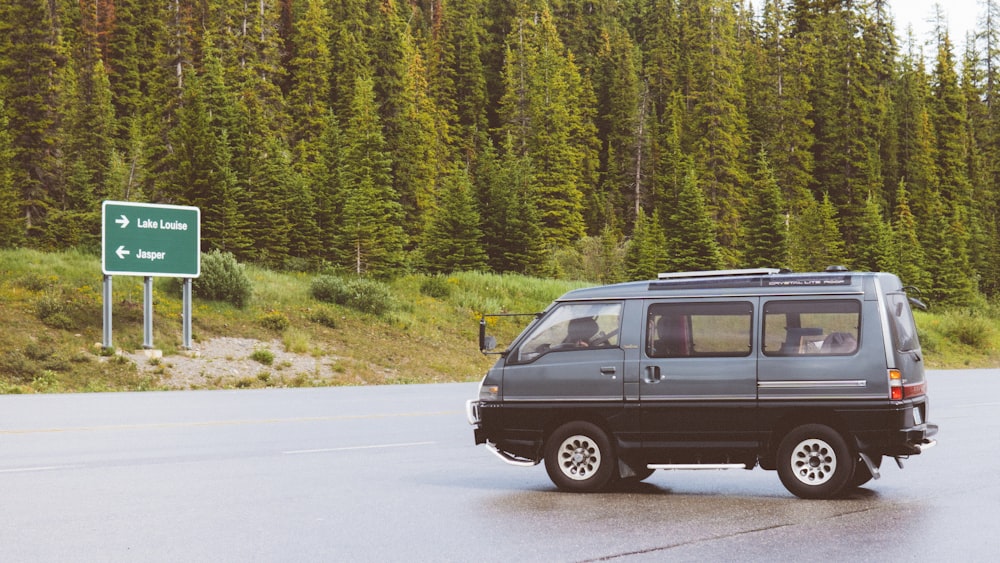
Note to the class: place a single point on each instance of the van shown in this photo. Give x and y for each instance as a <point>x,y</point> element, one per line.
<point>816,375</point>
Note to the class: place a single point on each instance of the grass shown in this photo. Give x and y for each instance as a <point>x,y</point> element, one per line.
<point>50,307</point>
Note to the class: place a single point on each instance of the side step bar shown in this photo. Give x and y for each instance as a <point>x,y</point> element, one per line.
<point>698,466</point>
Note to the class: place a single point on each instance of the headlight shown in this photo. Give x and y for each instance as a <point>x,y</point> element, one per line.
<point>489,393</point>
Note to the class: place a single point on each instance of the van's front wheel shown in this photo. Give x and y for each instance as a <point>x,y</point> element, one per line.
<point>814,461</point>
<point>579,457</point>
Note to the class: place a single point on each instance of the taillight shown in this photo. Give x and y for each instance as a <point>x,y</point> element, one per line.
<point>899,390</point>
<point>914,390</point>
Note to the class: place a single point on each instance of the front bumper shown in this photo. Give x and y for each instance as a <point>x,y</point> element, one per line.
<point>472,414</point>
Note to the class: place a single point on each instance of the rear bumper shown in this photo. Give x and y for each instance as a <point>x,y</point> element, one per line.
<point>912,441</point>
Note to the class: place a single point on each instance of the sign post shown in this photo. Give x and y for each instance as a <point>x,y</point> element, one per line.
<point>144,239</point>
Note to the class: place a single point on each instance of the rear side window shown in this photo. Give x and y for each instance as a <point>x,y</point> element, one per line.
<point>904,330</point>
<point>679,330</point>
<point>821,327</point>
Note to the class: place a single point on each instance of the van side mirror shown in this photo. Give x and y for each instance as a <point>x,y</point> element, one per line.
<point>486,343</point>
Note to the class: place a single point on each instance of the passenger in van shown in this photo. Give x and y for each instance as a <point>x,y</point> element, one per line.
<point>580,332</point>
<point>839,343</point>
<point>670,339</point>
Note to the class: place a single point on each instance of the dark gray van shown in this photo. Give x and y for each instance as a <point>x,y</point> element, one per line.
<point>817,375</point>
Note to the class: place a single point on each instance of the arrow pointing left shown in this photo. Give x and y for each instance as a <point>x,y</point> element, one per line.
<point>123,221</point>
<point>121,252</point>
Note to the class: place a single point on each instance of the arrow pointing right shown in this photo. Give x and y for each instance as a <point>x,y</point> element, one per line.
<point>121,252</point>
<point>123,221</point>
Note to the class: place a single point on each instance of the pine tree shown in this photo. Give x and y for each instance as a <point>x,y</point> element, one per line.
<point>458,73</point>
<point>328,184</point>
<point>538,114</point>
<point>691,237</point>
<point>29,58</point>
<point>874,246</point>
<point>947,259</point>
<point>815,239</point>
<point>908,257</point>
<point>624,123</point>
<point>916,136</point>
<point>512,235</point>
<point>717,133</point>
<point>421,145</point>
<point>370,237</point>
<point>847,117</point>
<point>453,238</point>
<point>646,253</point>
<point>11,227</point>
<point>270,189</point>
<point>310,67</point>
<point>766,227</point>
<point>779,88</point>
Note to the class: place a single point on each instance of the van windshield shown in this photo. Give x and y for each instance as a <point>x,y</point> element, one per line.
<point>572,326</point>
<point>904,330</point>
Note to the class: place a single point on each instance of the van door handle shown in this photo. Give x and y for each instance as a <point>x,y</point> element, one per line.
<point>653,374</point>
<point>608,370</point>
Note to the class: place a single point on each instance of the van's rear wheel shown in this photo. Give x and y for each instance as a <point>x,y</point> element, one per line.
<point>814,461</point>
<point>579,457</point>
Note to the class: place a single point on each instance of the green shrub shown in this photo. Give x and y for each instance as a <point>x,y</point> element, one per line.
<point>330,289</point>
<point>17,367</point>
<point>324,316</point>
<point>223,279</point>
<point>436,287</point>
<point>368,296</point>
<point>966,328</point>
<point>69,309</point>
<point>263,356</point>
<point>274,320</point>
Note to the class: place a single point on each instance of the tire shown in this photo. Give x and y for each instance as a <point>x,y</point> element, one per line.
<point>861,472</point>
<point>579,457</point>
<point>815,462</point>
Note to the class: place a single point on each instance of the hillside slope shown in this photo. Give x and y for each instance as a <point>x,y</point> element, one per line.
<point>50,304</point>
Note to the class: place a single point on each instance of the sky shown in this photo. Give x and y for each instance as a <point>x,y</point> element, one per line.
<point>961,16</point>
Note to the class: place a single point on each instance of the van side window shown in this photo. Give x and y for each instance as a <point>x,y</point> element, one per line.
<point>823,327</point>
<point>573,326</point>
<point>678,330</point>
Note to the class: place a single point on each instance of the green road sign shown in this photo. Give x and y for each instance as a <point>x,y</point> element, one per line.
<point>144,239</point>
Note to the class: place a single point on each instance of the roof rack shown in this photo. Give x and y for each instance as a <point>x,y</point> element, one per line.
<point>718,273</point>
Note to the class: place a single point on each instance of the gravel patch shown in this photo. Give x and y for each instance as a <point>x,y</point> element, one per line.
<point>226,362</point>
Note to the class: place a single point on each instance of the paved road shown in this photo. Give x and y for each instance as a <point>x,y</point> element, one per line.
<point>390,474</point>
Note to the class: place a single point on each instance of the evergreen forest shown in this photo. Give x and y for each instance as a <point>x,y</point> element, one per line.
<point>601,140</point>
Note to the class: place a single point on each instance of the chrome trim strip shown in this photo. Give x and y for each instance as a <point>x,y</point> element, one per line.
<point>814,397</point>
<point>820,384</point>
<point>693,398</point>
<point>565,398</point>
<point>684,466</point>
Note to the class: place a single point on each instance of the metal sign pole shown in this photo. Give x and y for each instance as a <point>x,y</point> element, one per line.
<point>187,313</point>
<point>147,313</point>
<point>107,312</point>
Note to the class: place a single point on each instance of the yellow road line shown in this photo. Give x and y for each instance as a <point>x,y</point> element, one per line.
<point>221,423</point>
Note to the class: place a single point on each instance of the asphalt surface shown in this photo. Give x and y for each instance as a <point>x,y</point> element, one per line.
<point>391,474</point>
